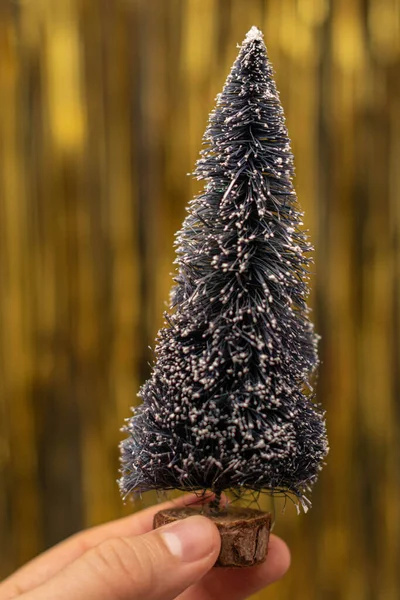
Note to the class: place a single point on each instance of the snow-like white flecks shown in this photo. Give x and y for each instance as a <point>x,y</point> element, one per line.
<point>254,34</point>
<point>229,401</point>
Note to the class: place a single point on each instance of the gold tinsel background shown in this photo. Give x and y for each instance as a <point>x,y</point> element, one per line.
<point>102,109</point>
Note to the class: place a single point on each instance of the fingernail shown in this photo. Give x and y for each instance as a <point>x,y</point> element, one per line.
<point>190,539</point>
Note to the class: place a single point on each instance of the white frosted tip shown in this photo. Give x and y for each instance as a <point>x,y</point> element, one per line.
<point>253,34</point>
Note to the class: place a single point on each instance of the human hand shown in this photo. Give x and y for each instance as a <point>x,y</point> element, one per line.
<point>126,560</point>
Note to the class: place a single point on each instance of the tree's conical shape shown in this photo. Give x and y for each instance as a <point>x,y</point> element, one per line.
<point>228,404</point>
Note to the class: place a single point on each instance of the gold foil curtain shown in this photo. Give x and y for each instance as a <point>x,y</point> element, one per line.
<point>103,105</point>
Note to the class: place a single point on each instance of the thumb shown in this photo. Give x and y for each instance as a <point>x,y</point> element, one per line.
<point>158,565</point>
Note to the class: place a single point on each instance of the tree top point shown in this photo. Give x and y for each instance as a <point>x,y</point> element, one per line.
<point>254,34</point>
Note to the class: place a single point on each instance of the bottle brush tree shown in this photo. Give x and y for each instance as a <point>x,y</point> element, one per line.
<point>229,403</point>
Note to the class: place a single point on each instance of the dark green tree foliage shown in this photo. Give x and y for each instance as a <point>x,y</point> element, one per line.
<point>228,404</point>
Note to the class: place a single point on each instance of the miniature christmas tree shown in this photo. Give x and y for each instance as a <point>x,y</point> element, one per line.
<point>229,403</point>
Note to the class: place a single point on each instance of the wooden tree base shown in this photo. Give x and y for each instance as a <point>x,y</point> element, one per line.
<point>244,532</point>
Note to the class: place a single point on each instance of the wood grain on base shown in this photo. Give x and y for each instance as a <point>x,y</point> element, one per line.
<point>244,532</point>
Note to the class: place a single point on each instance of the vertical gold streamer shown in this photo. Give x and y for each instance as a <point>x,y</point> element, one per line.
<point>18,445</point>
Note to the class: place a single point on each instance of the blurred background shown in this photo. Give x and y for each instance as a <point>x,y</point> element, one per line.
<point>103,105</point>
